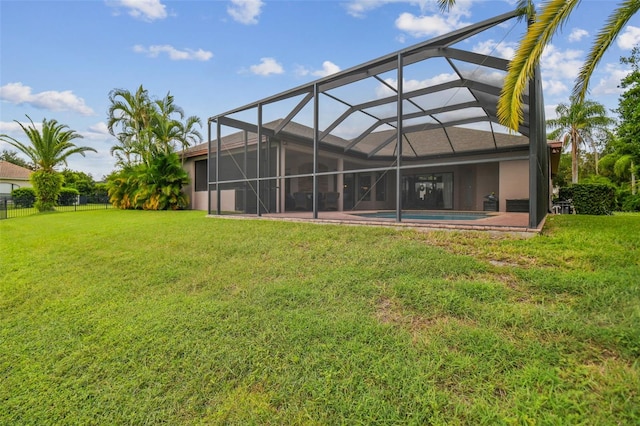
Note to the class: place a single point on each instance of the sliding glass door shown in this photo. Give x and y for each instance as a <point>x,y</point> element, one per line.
<point>429,191</point>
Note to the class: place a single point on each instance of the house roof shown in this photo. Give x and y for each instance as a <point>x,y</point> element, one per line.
<point>12,171</point>
<point>425,143</point>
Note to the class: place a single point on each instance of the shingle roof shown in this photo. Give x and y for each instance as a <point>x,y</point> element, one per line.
<point>12,171</point>
<point>423,143</point>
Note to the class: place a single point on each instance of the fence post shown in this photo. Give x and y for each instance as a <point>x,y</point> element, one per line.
<point>3,208</point>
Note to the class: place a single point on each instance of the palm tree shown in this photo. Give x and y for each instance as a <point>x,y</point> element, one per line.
<point>131,114</point>
<point>542,28</point>
<point>189,134</point>
<point>624,167</point>
<point>578,123</point>
<point>47,149</point>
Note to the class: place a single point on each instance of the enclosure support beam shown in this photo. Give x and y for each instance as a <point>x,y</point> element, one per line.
<point>316,121</point>
<point>258,210</point>
<point>399,139</point>
<point>244,168</point>
<point>208,166</point>
<point>218,151</point>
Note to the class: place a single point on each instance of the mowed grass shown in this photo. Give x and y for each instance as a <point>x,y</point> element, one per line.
<point>125,317</point>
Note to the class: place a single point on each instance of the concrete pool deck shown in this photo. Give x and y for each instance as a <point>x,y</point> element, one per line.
<point>498,221</point>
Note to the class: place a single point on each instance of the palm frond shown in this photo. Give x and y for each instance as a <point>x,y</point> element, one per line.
<point>607,35</point>
<point>446,5</point>
<point>521,69</point>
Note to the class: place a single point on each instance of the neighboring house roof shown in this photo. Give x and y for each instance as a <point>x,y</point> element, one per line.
<point>13,172</point>
<point>556,150</point>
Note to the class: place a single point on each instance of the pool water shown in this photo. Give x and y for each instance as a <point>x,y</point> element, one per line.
<point>427,215</point>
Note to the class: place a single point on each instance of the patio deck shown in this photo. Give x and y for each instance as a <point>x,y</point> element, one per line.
<point>499,221</point>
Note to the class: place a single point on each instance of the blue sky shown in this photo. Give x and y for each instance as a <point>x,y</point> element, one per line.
<point>60,59</point>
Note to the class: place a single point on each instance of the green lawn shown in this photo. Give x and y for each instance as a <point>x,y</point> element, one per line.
<point>127,317</point>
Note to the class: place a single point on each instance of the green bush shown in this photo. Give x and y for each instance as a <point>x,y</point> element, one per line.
<point>100,194</point>
<point>588,198</point>
<point>47,185</point>
<point>23,197</point>
<point>631,203</point>
<point>68,196</point>
<point>157,186</point>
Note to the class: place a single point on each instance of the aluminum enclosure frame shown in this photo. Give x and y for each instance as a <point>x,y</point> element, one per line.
<point>484,94</point>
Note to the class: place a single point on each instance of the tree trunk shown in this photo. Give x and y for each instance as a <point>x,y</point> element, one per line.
<point>574,158</point>
<point>633,180</point>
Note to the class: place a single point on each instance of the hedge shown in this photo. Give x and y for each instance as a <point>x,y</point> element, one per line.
<point>631,203</point>
<point>68,196</point>
<point>23,197</point>
<point>590,198</point>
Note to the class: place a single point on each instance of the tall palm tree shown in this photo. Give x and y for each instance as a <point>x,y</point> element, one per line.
<point>166,132</point>
<point>130,115</point>
<point>579,123</point>
<point>189,134</point>
<point>47,149</point>
<point>553,15</point>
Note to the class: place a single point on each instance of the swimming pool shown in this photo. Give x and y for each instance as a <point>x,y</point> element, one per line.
<point>428,215</point>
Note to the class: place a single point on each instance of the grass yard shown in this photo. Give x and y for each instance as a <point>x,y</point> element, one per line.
<point>127,317</point>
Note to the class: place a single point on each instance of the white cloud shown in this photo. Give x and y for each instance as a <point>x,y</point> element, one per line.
<point>559,64</point>
<point>383,91</point>
<point>328,68</point>
<point>554,87</point>
<point>245,11</point>
<point>19,94</point>
<point>629,38</point>
<point>437,23</point>
<point>609,85</point>
<point>578,34</point>
<point>430,21</point>
<point>267,66</point>
<point>98,131</point>
<point>358,8</point>
<point>146,10</point>
<point>550,111</point>
<point>173,53</point>
<point>420,26</point>
<point>13,127</point>
<point>503,50</point>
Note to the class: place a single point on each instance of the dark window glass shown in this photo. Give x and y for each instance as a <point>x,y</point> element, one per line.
<point>381,186</point>
<point>364,181</point>
<point>201,175</point>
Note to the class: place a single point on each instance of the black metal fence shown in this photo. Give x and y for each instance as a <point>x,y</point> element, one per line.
<point>9,209</point>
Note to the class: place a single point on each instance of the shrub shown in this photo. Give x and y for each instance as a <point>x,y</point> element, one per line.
<point>68,196</point>
<point>157,186</point>
<point>100,194</point>
<point>23,197</point>
<point>631,203</point>
<point>47,185</point>
<point>595,199</point>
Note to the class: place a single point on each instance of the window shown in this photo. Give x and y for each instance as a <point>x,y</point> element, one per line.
<point>201,175</point>
<point>364,183</point>
<point>381,186</point>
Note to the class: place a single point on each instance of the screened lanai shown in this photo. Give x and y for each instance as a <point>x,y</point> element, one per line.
<point>412,131</point>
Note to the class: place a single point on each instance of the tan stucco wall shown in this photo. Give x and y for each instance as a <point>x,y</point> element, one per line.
<point>487,181</point>
<point>514,181</point>
<point>227,200</point>
<point>199,200</point>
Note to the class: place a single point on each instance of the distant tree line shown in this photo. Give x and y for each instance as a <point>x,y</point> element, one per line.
<point>603,151</point>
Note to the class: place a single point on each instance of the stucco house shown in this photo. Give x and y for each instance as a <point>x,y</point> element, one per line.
<point>396,134</point>
<point>12,177</point>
